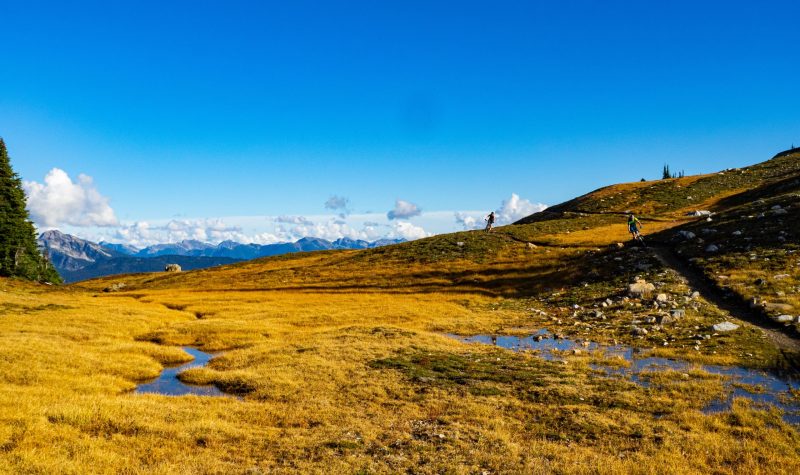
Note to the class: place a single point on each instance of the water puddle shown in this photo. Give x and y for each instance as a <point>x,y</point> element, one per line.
<point>169,384</point>
<point>771,389</point>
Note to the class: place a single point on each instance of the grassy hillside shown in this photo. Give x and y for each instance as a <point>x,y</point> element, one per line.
<point>342,364</point>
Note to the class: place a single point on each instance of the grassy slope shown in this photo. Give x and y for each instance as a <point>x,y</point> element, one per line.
<point>342,368</point>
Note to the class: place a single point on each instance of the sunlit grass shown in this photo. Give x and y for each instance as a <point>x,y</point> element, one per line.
<point>339,362</point>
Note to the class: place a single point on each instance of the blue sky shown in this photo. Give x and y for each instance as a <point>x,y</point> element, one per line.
<point>184,111</point>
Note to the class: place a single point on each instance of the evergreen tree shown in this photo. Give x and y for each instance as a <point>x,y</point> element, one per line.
<point>19,254</point>
<point>665,174</point>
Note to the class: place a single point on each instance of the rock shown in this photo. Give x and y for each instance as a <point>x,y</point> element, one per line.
<point>695,295</point>
<point>781,276</point>
<point>712,248</point>
<point>662,298</point>
<point>531,245</point>
<point>776,207</point>
<point>460,244</point>
<point>677,313</point>
<point>686,235</point>
<point>619,245</point>
<point>760,282</point>
<point>115,287</point>
<point>172,268</point>
<point>665,320</point>
<point>784,318</point>
<point>576,351</point>
<point>699,213</point>
<point>724,327</point>
<point>737,233</point>
<point>640,288</point>
<point>638,331</point>
<point>778,212</point>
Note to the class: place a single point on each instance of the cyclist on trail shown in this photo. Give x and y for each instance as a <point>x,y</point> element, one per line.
<point>489,222</point>
<point>634,225</point>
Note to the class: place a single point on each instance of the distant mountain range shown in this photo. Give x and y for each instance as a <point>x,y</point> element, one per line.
<point>78,259</point>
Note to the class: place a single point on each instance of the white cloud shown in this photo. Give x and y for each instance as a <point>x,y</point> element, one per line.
<point>403,210</point>
<point>516,208</point>
<point>467,221</point>
<point>406,230</point>
<point>59,201</point>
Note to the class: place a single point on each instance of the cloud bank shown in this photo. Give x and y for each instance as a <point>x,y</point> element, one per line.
<point>79,208</point>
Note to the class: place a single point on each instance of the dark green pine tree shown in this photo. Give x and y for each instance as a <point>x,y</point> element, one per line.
<point>19,254</point>
<point>665,174</point>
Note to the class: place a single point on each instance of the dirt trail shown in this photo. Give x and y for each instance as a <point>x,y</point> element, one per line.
<point>785,338</point>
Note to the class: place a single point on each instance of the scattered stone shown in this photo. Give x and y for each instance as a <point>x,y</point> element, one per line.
<point>638,331</point>
<point>531,245</point>
<point>677,313</point>
<point>699,213</point>
<point>115,287</point>
<point>784,318</point>
<point>662,298</point>
<point>686,235</point>
<point>781,276</point>
<point>737,233</point>
<point>712,248</point>
<point>640,288</point>
<point>779,211</point>
<point>724,327</point>
<point>172,268</point>
<point>461,244</point>
<point>695,295</point>
<point>620,245</point>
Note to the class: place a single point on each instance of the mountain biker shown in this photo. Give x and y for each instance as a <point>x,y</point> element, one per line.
<point>634,225</point>
<point>489,222</point>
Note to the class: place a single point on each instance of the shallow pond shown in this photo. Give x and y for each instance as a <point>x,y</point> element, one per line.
<point>773,388</point>
<point>169,384</point>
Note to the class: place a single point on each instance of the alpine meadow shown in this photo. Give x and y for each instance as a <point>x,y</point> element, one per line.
<point>399,237</point>
<point>349,361</point>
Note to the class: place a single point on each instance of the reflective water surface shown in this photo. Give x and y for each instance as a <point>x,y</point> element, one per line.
<point>169,384</point>
<point>773,389</point>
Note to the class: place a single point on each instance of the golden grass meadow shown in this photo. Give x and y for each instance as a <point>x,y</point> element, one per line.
<point>341,361</point>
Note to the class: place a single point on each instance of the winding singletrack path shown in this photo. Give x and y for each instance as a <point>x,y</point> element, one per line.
<point>784,337</point>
